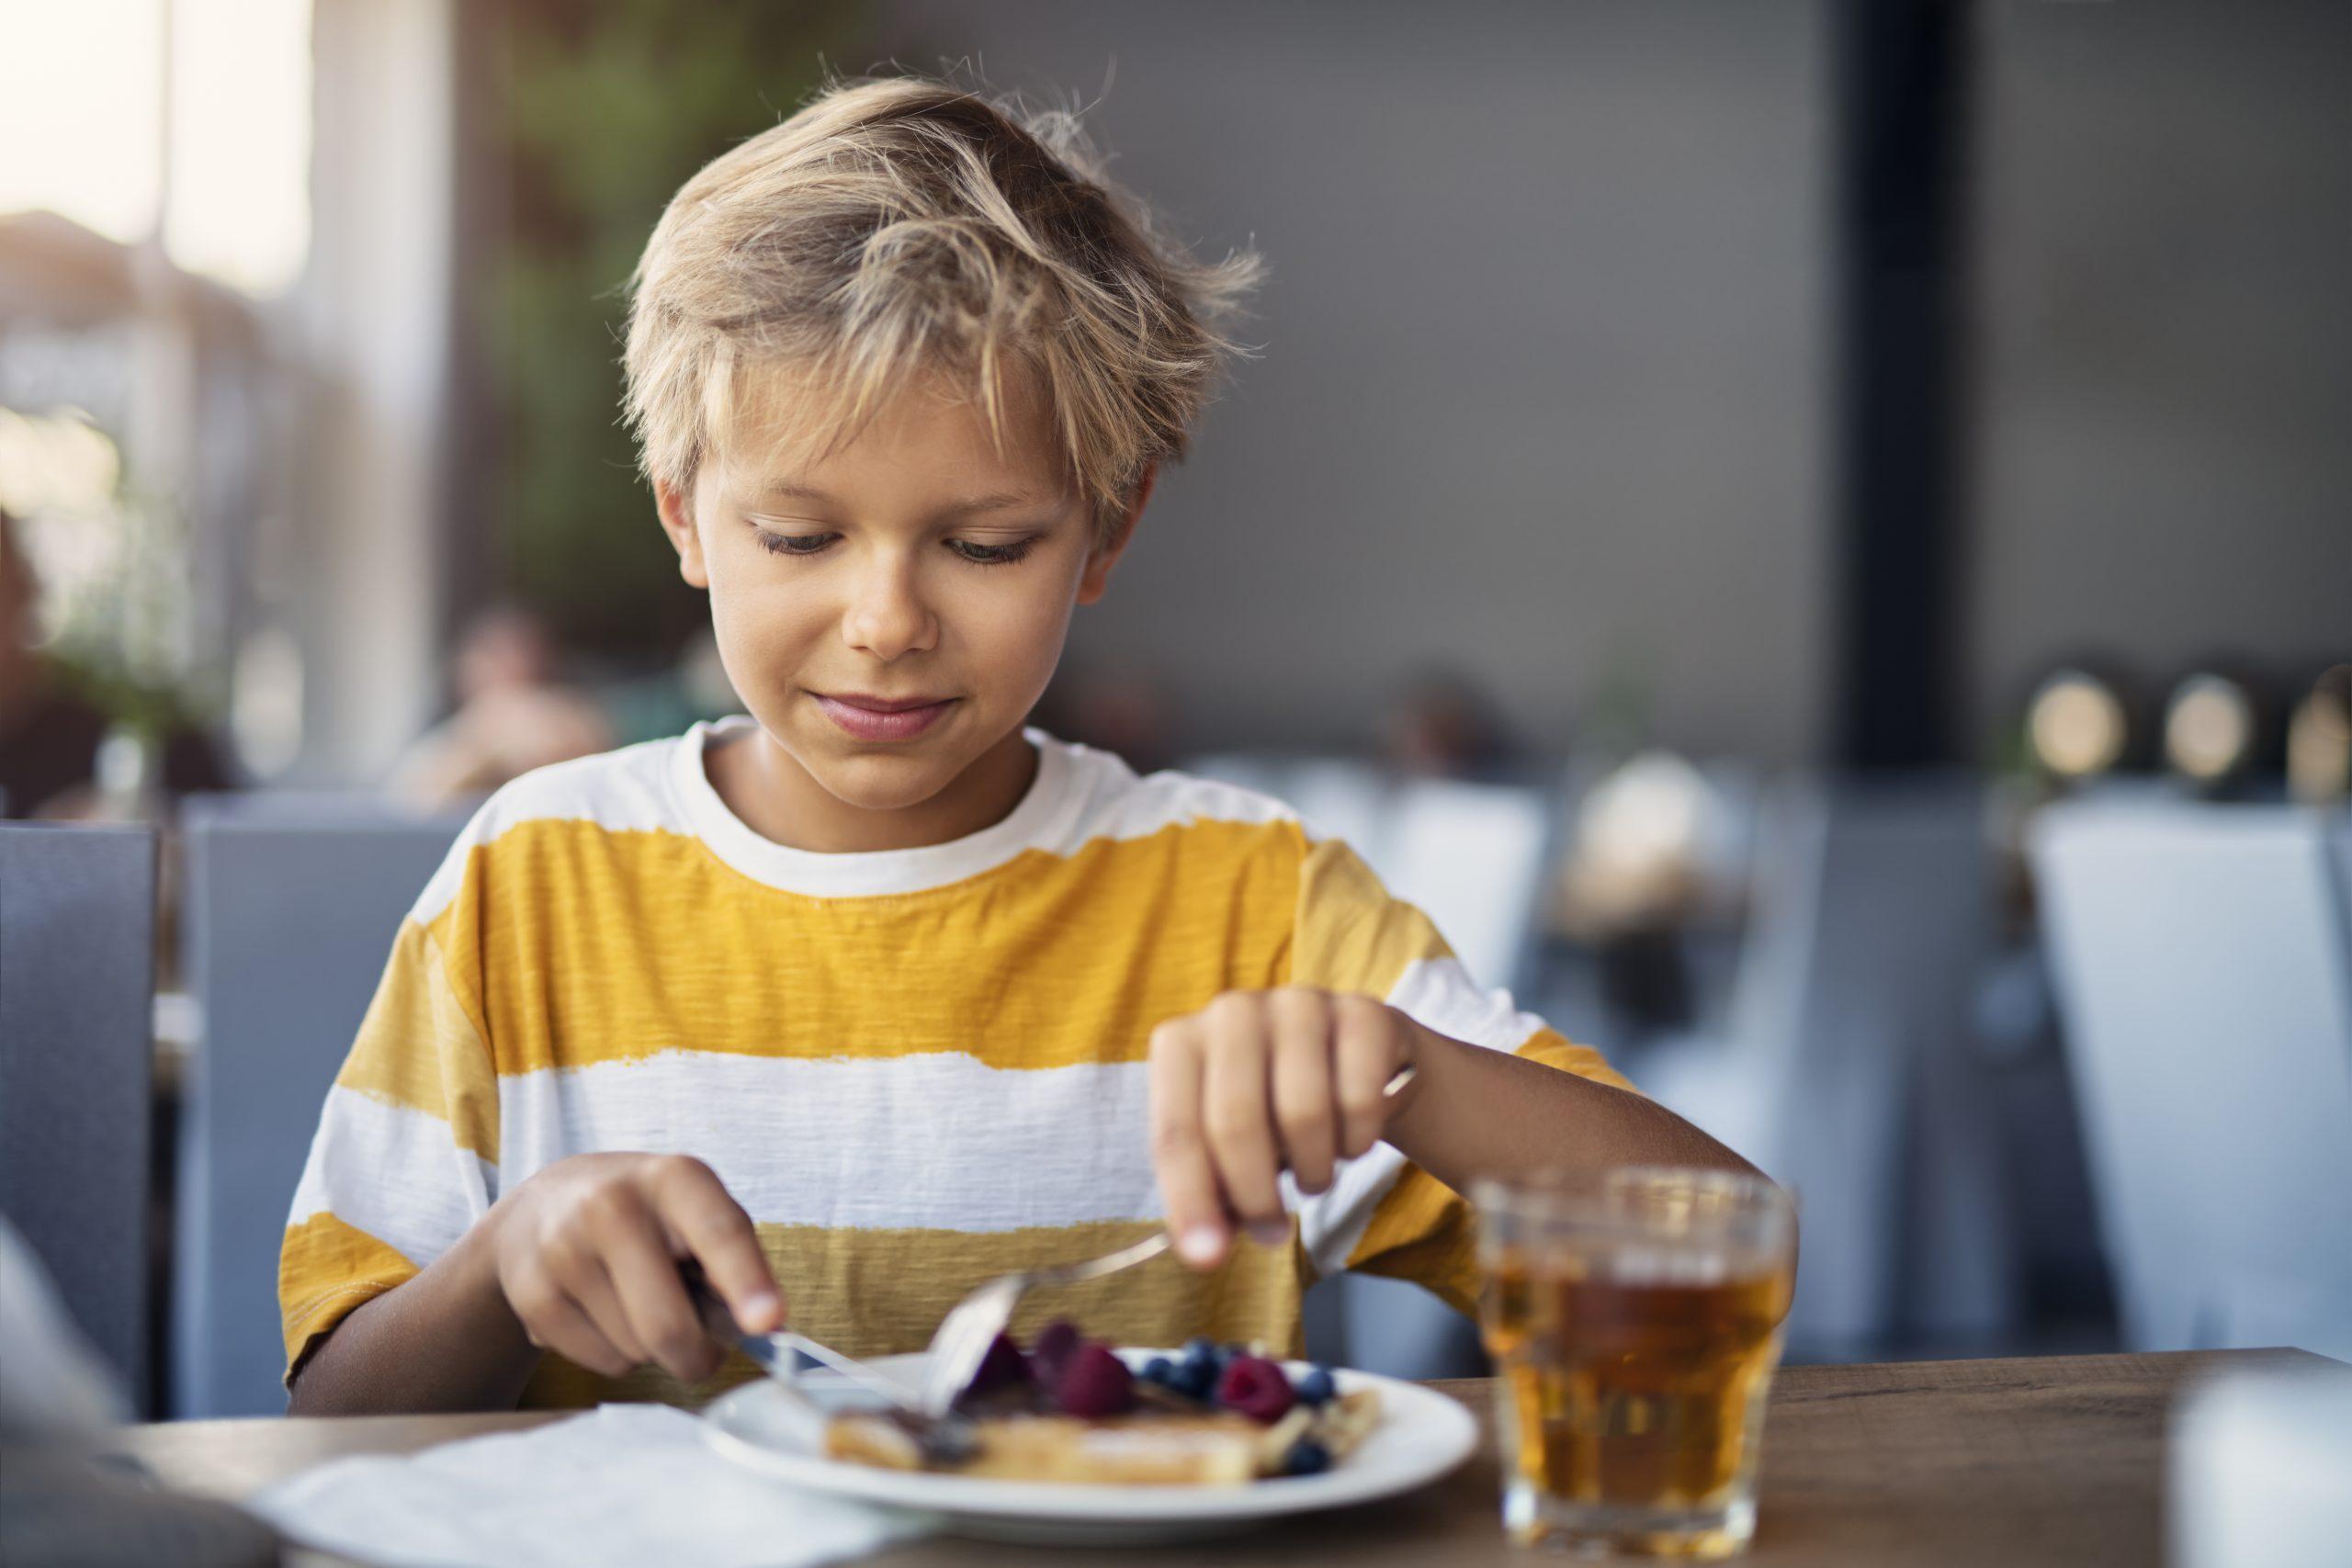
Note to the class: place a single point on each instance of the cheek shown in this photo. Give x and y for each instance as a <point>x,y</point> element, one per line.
<point>760,626</point>
<point>1016,631</point>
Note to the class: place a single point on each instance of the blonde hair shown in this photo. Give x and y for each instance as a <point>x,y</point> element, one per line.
<point>898,226</point>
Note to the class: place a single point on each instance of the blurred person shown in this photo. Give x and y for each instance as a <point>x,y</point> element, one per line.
<point>876,992</point>
<point>691,689</point>
<point>1442,727</point>
<point>52,736</point>
<point>58,1398</point>
<point>513,714</point>
<point>1124,712</point>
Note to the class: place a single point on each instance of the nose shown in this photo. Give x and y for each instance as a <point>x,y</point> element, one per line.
<point>886,616</point>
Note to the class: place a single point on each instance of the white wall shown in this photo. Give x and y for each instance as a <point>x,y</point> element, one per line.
<point>2163,451</point>
<point>1542,381</point>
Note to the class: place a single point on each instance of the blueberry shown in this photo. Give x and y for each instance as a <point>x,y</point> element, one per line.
<point>1201,1347</point>
<point>1193,1378</point>
<point>1306,1457</point>
<point>1159,1370</point>
<point>1316,1387</point>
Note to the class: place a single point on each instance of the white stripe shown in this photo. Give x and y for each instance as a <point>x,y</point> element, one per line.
<point>1439,994</point>
<point>621,792</point>
<point>1330,1224</point>
<point>1125,807</point>
<point>394,1172</point>
<point>1080,794</point>
<point>929,1140</point>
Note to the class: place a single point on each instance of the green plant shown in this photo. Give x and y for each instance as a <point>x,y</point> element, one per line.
<point>604,109</point>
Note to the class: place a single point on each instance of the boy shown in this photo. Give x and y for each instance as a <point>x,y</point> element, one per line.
<point>873,994</point>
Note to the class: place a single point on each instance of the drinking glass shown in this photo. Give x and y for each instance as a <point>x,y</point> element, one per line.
<point>1635,1315</point>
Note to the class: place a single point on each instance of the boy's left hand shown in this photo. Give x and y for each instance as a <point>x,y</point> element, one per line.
<point>1260,1080</point>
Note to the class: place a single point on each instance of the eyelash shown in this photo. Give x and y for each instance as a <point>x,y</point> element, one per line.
<point>815,544</point>
<point>790,544</point>
<point>990,555</point>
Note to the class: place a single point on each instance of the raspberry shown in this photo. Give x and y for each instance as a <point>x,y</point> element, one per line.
<point>1002,1366</point>
<point>1257,1388</point>
<point>1054,1344</point>
<point>1096,1383</point>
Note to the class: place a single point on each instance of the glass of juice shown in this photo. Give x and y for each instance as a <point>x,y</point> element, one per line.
<point>1635,1316</point>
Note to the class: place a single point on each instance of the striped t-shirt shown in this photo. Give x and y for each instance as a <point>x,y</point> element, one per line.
<point>914,1068</point>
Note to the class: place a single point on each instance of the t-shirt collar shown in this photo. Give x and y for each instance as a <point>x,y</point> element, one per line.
<point>1052,795</point>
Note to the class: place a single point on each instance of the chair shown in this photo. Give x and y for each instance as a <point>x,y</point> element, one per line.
<point>1846,1071</point>
<point>2203,973</point>
<point>1472,856</point>
<point>77,967</point>
<point>290,917</point>
<point>1347,799</point>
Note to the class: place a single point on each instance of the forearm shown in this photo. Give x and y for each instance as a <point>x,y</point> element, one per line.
<point>445,1340</point>
<point>1473,1112</point>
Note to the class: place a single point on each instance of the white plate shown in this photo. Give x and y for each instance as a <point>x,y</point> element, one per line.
<point>1421,1435</point>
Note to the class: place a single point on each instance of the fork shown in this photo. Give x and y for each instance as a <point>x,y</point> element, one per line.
<point>774,1352</point>
<point>972,1324</point>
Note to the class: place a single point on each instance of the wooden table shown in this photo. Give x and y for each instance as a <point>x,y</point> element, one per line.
<point>2056,1460</point>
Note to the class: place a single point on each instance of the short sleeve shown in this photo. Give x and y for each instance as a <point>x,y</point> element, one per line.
<point>405,1157</point>
<point>1383,1215</point>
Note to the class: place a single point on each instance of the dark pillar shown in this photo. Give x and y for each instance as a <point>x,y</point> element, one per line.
<point>1902,81</point>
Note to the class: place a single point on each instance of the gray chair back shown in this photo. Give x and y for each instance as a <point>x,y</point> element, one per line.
<point>2202,966</point>
<point>77,973</point>
<point>1846,1069</point>
<point>1889,1118</point>
<point>290,918</point>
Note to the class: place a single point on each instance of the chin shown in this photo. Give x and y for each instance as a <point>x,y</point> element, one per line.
<point>882,781</point>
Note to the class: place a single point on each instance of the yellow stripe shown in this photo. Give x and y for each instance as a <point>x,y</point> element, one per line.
<point>1352,936</point>
<point>420,1047</point>
<point>1422,1231</point>
<point>327,1270</point>
<point>1546,1046</point>
<point>878,1292</point>
<point>612,946</point>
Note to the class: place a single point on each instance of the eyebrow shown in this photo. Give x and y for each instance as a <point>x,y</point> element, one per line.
<point>995,500</point>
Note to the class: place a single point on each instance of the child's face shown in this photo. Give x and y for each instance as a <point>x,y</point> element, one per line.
<point>917,565</point>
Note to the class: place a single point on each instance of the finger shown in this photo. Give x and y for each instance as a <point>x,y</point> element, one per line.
<point>584,1280</point>
<point>552,1321</point>
<point>1180,1153</point>
<point>645,1277</point>
<point>1366,1052</point>
<point>706,1223</point>
<point>1305,1110</point>
<point>1236,1109</point>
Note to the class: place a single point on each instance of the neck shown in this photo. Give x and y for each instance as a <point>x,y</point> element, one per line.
<point>777,798</point>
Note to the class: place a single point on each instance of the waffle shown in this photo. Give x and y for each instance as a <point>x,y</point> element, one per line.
<point>1148,1447</point>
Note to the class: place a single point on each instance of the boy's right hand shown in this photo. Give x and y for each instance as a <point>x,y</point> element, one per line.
<point>588,1252</point>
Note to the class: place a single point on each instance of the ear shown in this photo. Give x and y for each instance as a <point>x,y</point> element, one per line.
<point>677,511</point>
<point>1096,581</point>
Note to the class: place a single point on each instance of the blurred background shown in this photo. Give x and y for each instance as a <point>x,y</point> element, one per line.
<point>1815,538</point>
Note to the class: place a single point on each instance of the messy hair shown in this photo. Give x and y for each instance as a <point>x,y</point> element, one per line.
<point>901,227</point>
